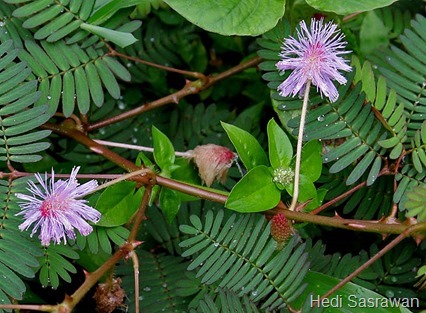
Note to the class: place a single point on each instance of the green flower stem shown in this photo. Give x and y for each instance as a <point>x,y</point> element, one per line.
<point>299,146</point>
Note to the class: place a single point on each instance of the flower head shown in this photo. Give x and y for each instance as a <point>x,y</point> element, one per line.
<point>313,56</point>
<point>281,229</point>
<point>213,161</point>
<point>55,208</point>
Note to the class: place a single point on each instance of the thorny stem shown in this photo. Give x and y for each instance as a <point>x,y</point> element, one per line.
<point>382,252</point>
<point>115,53</point>
<point>140,215</point>
<point>220,197</point>
<point>189,89</point>
<point>299,147</point>
<point>93,278</point>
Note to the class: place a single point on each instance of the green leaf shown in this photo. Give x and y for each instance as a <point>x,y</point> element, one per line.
<point>169,203</point>
<point>119,38</point>
<point>231,17</point>
<point>280,149</point>
<point>255,192</point>
<point>373,34</point>
<point>118,203</point>
<point>311,164</point>
<point>348,6</point>
<point>105,12</point>
<point>307,189</point>
<point>248,148</point>
<point>164,153</point>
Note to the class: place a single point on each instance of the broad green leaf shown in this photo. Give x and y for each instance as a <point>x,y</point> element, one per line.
<point>307,189</point>
<point>351,297</point>
<point>164,153</point>
<point>280,149</point>
<point>118,203</point>
<point>317,201</point>
<point>231,17</point>
<point>248,148</point>
<point>169,203</point>
<point>119,38</point>
<point>373,35</point>
<point>348,6</point>
<point>255,192</point>
<point>105,12</point>
<point>311,164</point>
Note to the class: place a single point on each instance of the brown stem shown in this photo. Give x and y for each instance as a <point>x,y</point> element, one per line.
<point>382,252</point>
<point>94,277</point>
<point>140,215</point>
<point>337,199</point>
<point>189,89</point>
<point>359,225</point>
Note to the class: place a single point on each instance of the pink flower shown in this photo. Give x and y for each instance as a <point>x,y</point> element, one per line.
<point>56,209</point>
<point>213,162</point>
<point>313,56</point>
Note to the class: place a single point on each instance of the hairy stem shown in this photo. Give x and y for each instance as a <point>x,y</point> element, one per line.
<point>299,147</point>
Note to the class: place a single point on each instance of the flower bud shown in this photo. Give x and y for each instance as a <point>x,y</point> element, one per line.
<point>213,162</point>
<point>281,229</point>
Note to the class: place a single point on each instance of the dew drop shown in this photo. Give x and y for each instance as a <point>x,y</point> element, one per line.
<point>49,97</point>
<point>102,131</point>
<point>388,59</point>
<point>375,66</point>
<point>216,244</point>
<point>121,105</point>
<point>147,289</point>
<point>164,285</point>
<point>389,293</point>
<point>141,298</point>
<point>326,159</point>
<point>394,279</point>
<point>152,39</point>
<point>424,84</point>
<point>254,293</point>
<point>129,64</point>
<point>282,107</point>
<point>320,118</point>
<point>134,140</point>
<point>1,24</point>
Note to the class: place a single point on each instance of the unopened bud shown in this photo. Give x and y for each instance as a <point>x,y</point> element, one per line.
<point>213,162</point>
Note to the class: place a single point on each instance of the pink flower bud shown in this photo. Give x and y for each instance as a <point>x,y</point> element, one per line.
<point>213,162</point>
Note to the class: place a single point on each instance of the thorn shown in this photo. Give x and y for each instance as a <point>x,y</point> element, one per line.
<point>355,225</point>
<point>336,215</point>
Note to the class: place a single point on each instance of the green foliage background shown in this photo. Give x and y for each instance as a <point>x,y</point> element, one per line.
<point>67,60</point>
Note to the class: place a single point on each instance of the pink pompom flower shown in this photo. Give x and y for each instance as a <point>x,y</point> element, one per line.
<point>315,56</point>
<point>56,209</point>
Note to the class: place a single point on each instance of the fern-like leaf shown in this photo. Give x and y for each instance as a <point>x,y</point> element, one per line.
<point>70,75</point>
<point>18,254</point>
<point>224,302</point>
<point>416,204</point>
<point>17,117</point>
<point>239,255</point>
<point>56,265</point>
<point>53,20</point>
